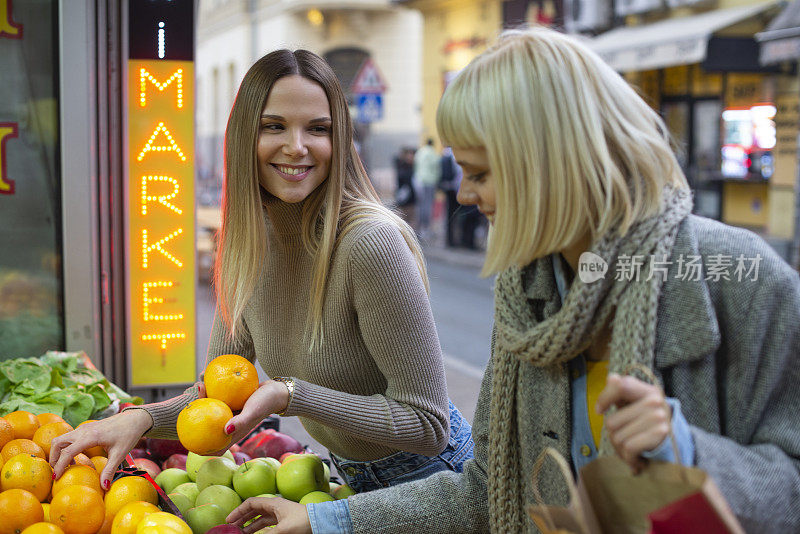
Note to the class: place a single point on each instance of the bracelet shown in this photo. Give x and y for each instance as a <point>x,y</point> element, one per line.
<point>289,383</point>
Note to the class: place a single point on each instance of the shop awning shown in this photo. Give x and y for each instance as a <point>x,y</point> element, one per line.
<point>780,41</point>
<point>678,41</point>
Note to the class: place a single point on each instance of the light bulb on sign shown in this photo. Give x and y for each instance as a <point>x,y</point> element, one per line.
<point>145,76</point>
<point>158,246</point>
<point>164,200</point>
<point>173,146</point>
<point>161,44</point>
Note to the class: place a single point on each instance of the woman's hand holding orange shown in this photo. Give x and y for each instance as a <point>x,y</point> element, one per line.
<point>270,397</point>
<point>642,420</point>
<point>117,434</point>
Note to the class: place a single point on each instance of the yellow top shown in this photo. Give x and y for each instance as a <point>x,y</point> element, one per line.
<point>596,373</point>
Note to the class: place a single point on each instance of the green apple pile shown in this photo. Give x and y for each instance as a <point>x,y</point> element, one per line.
<point>212,487</point>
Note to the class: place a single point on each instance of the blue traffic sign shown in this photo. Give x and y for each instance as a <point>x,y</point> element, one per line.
<point>370,107</point>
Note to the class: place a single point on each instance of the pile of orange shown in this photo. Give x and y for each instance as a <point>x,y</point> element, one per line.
<point>229,381</point>
<point>77,503</point>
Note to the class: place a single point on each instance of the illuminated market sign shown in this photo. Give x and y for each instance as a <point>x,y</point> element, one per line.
<point>160,193</point>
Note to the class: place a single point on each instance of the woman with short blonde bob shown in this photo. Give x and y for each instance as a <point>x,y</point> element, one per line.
<point>321,284</point>
<point>592,241</point>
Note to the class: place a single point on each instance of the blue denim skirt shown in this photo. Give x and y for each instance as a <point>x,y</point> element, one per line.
<point>407,466</point>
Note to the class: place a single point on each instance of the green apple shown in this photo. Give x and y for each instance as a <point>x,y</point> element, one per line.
<point>315,497</point>
<point>205,517</point>
<point>171,478</point>
<point>189,489</point>
<point>274,462</point>
<point>215,472</point>
<point>327,471</point>
<point>343,492</point>
<point>194,461</point>
<point>301,476</point>
<point>267,495</point>
<point>181,501</point>
<point>253,478</point>
<point>332,487</point>
<point>222,496</point>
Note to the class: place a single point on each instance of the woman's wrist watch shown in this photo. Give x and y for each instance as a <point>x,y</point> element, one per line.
<point>289,383</point>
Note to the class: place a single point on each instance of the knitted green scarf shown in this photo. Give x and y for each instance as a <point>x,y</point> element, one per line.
<point>521,339</point>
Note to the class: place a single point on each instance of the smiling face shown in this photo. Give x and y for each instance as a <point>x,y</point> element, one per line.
<point>477,185</point>
<point>294,139</point>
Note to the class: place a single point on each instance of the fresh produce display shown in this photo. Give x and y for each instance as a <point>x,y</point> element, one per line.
<point>220,486</point>
<point>42,398</point>
<point>59,383</point>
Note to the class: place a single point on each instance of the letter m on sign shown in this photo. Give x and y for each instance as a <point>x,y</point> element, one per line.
<point>145,77</point>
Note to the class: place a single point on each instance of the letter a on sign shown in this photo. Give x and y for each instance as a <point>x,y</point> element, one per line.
<point>368,80</point>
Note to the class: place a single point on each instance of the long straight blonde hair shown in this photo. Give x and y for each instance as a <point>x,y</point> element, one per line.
<point>572,149</point>
<point>345,199</point>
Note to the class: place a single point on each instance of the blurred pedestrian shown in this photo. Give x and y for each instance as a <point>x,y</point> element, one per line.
<point>449,180</point>
<point>426,175</point>
<point>323,286</point>
<point>565,158</point>
<point>405,195</point>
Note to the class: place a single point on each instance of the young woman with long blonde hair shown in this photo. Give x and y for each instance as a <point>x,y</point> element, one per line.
<point>321,284</point>
<point>593,244</point>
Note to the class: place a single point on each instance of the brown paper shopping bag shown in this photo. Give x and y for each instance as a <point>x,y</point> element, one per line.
<point>611,499</point>
<point>622,500</point>
<point>576,518</point>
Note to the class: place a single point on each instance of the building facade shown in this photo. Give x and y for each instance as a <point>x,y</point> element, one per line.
<point>734,121</point>
<point>233,34</point>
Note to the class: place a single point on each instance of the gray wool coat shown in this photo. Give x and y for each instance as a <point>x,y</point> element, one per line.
<point>726,349</point>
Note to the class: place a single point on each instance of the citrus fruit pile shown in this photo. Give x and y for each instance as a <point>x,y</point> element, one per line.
<point>31,502</point>
<point>229,381</point>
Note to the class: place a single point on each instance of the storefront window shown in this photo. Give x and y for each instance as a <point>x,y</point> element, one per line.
<point>31,316</point>
<point>706,139</point>
<point>676,116</point>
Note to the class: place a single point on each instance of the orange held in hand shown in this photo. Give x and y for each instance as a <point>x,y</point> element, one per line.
<point>201,426</point>
<point>231,379</point>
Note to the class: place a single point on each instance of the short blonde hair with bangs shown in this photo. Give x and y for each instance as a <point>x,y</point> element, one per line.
<point>572,149</point>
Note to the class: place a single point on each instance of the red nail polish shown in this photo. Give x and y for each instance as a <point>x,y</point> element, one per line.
<point>106,484</point>
<point>54,476</point>
<point>229,429</point>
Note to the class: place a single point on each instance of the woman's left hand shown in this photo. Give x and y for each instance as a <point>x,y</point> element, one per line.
<point>642,420</point>
<point>287,516</point>
<point>270,397</point>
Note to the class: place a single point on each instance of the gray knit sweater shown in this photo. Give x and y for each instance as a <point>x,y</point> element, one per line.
<point>377,383</point>
<point>726,349</point>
